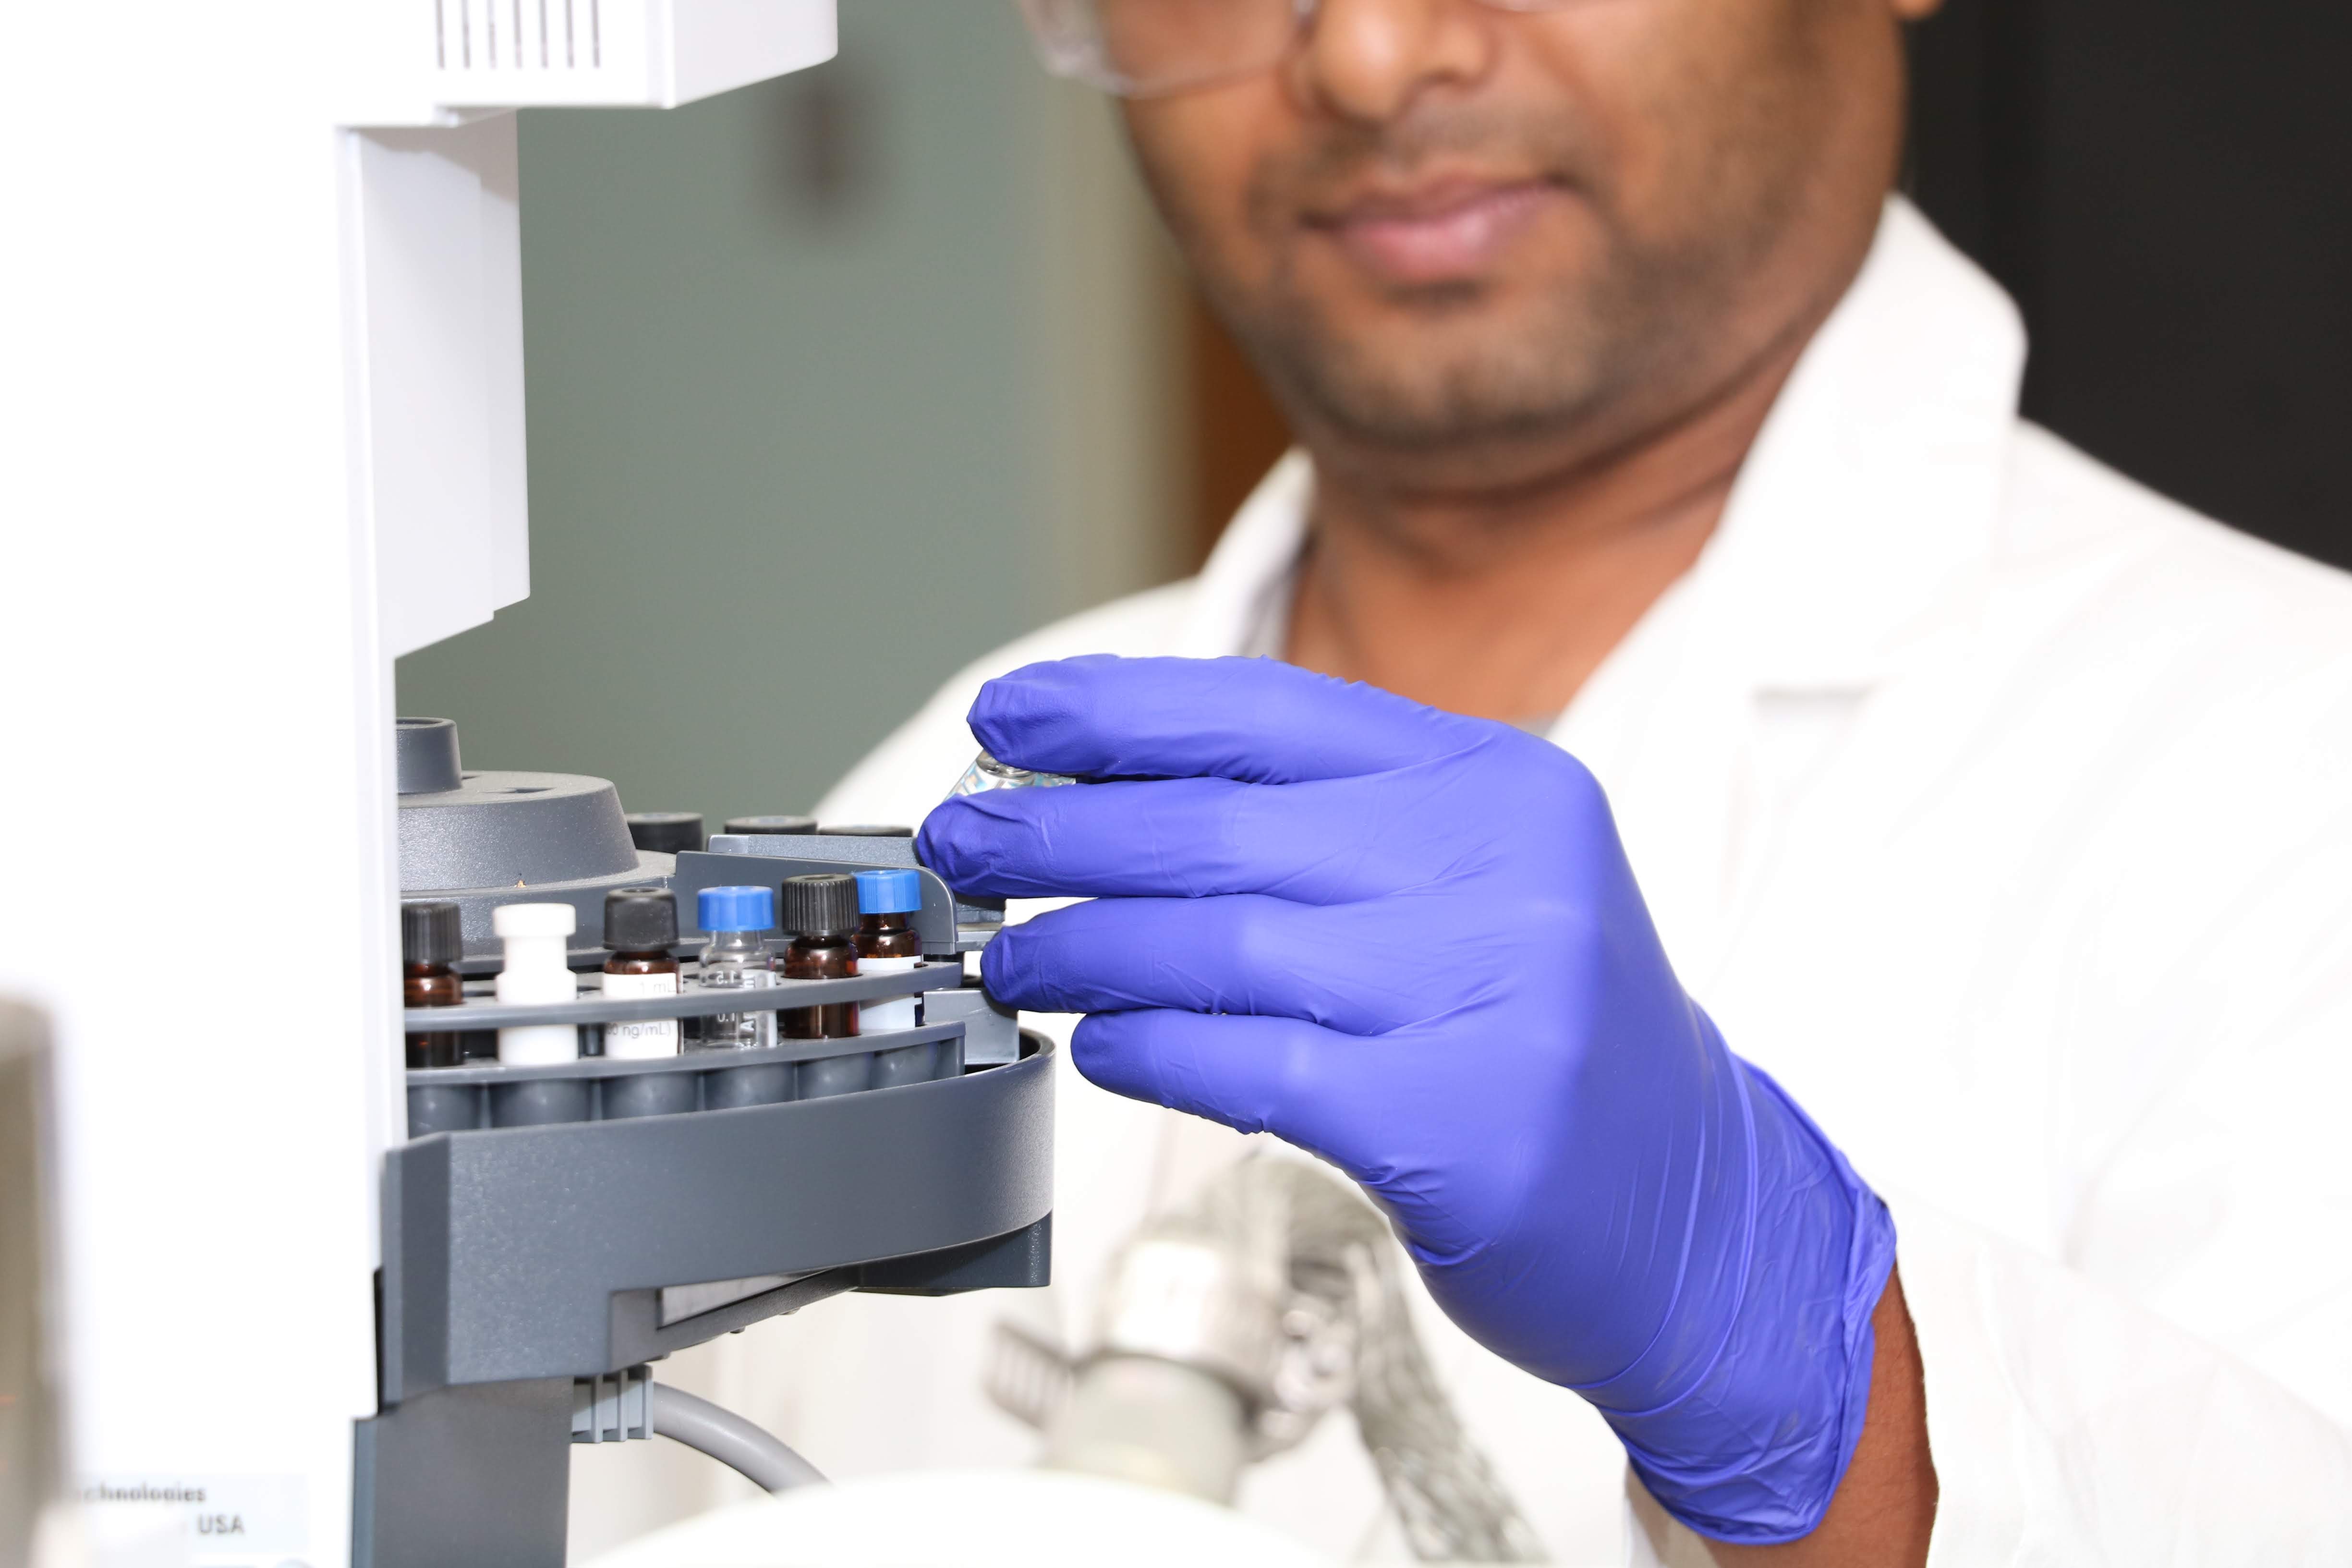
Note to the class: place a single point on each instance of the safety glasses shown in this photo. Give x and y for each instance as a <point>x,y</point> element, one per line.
<point>1139,48</point>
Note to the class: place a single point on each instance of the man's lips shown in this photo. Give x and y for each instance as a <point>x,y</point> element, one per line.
<point>1448,233</point>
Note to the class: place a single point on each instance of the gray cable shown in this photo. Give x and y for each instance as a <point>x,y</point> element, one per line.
<point>729,1438</point>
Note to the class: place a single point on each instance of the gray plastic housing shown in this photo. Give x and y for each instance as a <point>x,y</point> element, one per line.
<point>483,839</point>
<point>495,830</point>
<point>468,1100</point>
<point>992,1031</point>
<point>544,1225</point>
<point>466,1477</point>
<point>546,1251</point>
<point>424,753</point>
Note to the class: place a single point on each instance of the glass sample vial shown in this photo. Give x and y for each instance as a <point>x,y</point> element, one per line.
<point>537,969</point>
<point>887,943</point>
<point>431,940</point>
<point>736,958</point>
<point>640,926</point>
<point>987,774</point>
<point>821,914</point>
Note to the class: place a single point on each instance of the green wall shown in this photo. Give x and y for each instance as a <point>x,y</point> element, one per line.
<point>793,419</point>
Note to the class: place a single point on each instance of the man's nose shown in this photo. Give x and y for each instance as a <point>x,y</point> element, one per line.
<point>1369,59</point>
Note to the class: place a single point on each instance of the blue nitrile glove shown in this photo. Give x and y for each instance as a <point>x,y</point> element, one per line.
<point>1409,942</point>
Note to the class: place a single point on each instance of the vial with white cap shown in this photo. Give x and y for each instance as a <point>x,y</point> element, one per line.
<point>537,970</point>
<point>887,942</point>
<point>736,958</point>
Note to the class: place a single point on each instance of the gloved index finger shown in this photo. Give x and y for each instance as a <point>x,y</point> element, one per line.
<point>1253,720</point>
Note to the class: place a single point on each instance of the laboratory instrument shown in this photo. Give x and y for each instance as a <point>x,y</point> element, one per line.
<point>325,1310</point>
<point>812,1185</point>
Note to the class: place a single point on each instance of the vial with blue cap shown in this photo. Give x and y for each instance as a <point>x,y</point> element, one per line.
<point>736,958</point>
<point>887,944</point>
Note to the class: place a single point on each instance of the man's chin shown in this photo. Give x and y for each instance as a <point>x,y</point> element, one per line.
<point>1442,379</point>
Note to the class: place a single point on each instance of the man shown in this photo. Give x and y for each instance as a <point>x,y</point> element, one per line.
<point>1997,810</point>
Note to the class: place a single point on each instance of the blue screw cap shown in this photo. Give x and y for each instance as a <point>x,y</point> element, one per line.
<point>892,892</point>
<point>736,909</point>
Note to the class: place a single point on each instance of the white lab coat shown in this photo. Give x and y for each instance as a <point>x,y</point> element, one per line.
<point>1999,808</point>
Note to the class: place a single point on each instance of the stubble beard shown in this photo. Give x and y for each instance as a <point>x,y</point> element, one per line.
<point>1466,366</point>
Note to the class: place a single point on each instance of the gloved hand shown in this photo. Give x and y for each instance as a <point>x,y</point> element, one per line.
<point>1410,943</point>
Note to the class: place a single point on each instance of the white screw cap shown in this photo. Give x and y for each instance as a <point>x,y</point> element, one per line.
<point>534,919</point>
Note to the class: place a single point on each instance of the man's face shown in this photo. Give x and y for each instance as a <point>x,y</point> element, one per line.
<point>1440,223</point>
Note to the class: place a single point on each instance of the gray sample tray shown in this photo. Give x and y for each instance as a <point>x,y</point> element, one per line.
<point>599,1089</point>
<point>487,1095</point>
<point>545,1251</point>
<point>691,1002</point>
<point>946,922</point>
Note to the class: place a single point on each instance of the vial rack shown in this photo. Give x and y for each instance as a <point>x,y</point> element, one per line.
<point>544,1225</point>
<point>488,1094</point>
<point>572,1219</point>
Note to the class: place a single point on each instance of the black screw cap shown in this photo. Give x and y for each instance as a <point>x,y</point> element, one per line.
<point>640,920</point>
<point>821,905</point>
<point>431,931</point>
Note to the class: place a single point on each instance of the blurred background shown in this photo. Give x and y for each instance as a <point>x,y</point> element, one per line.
<point>836,383</point>
<point>2166,188</point>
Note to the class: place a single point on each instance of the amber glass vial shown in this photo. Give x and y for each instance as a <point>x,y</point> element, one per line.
<point>640,927</point>
<point>887,944</point>
<point>821,917</point>
<point>431,939</point>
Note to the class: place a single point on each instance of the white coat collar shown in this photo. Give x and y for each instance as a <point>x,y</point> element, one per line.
<point>1867,504</point>
<point>1241,598</point>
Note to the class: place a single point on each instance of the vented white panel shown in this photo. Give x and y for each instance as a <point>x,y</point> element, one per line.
<point>518,35</point>
<point>659,53</point>
<point>438,62</point>
<point>513,52</point>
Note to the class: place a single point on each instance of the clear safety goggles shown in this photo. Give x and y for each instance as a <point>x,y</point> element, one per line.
<point>1141,49</point>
